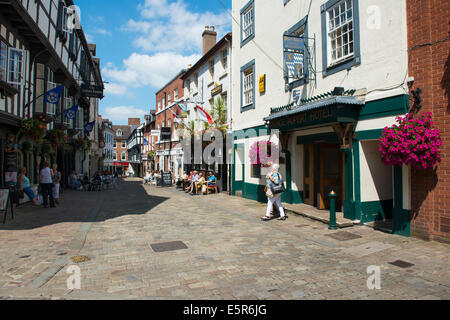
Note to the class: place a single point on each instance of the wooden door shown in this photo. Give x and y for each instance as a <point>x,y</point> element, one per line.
<point>330,175</point>
<point>308,169</point>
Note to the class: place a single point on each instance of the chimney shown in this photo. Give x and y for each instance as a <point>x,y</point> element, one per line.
<point>209,39</point>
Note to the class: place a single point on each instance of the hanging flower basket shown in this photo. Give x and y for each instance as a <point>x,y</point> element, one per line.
<point>151,155</point>
<point>33,129</point>
<point>263,153</point>
<point>57,137</point>
<point>413,142</point>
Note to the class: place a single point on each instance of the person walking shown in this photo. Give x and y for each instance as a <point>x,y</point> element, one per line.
<point>56,177</point>
<point>47,184</point>
<point>275,188</point>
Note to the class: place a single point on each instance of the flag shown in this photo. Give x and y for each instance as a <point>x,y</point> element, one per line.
<point>203,115</point>
<point>175,118</point>
<point>72,112</point>
<point>90,126</point>
<point>145,142</point>
<point>54,95</point>
<point>183,108</point>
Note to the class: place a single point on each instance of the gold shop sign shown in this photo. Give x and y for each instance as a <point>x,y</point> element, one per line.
<point>217,89</point>
<point>262,84</point>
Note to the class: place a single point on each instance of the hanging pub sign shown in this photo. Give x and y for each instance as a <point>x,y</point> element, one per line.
<point>92,91</point>
<point>294,54</point>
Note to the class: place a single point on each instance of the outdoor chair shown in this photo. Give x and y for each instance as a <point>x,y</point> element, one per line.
<point>211,188</point>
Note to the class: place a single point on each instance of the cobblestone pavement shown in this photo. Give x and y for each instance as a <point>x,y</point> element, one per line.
<point>230,253</point>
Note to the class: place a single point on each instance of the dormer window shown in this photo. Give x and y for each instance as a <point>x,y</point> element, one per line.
<point>119,133</point>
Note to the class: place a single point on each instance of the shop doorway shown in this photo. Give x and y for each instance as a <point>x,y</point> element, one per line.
<point>323,173</point>
<point>331,175</point>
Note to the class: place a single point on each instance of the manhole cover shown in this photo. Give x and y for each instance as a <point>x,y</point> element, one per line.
<point>168,246</point>
<point>344,236</point>
<point>79,259</point>
<point>401,264</point>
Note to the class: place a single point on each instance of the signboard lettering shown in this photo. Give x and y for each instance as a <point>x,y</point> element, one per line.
<point>216,90</point>
<point>309,117</point>
<point>166,133</point>
<point>92,91</point>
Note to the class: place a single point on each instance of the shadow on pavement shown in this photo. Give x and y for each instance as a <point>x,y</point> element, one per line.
<point>129,198</point>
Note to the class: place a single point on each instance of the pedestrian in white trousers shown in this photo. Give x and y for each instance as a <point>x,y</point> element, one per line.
<point>274,177</point>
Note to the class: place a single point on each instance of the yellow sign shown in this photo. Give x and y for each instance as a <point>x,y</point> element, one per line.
<point>262,84</point>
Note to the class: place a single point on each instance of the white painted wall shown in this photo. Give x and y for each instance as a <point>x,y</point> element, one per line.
<point>202,95</point>
<point>383,54</point>
<point>376,177</point>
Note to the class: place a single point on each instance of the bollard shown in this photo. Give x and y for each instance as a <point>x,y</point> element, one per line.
<point>333,225</point>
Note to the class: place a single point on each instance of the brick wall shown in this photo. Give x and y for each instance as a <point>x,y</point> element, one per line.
<point>167,115</point>
<point>428,22</point>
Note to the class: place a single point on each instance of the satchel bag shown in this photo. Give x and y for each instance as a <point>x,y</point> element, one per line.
<point>21,194</point>
<point>269,194</point>
<point>278,188</point>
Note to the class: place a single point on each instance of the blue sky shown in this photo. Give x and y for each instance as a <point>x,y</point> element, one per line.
<point>142,44</point>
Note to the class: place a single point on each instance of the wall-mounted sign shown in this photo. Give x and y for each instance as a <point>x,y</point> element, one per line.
<point>4,196</point>
<point>262,84</point>
<point>294,43</point>
<point>156,133</point>
<point>166,133</point>
<point>218,89</point>
<point>92,91</point>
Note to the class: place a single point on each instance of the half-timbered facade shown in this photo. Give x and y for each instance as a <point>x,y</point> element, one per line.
<point>42,47</point>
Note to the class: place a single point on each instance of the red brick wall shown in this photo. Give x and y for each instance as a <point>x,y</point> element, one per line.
<point>428,22</point>
<point>165,116</point>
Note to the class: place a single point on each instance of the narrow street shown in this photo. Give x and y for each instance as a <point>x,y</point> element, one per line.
<point>230,253</point>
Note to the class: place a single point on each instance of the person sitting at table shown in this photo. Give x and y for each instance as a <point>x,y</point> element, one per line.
<point>198,183</point>
<point>192,182</point>
<point>24,185</point>
<point>74,181</point>
<point>211,182</point>
<point>86,182</point>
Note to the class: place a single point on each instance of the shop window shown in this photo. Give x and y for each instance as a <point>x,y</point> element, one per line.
<point>256,171</point>
<point>340,35</point>
<point>247,22</point>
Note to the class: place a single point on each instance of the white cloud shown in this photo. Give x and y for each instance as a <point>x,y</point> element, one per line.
<point>153,70</point>
<point>89,38</point>
<point>171,26</point>
<point>116,89</point>
<point>103,32</point>
<point>120,115</point>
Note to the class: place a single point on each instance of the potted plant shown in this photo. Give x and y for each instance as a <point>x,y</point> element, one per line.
<point>413,141</point>
<point>57,137</point>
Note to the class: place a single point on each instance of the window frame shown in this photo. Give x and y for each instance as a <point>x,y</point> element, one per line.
<point>348,63</point>
<point>23,61</point>
<point>249,6</point>
<point>297,83</point>
<point>244,68</point>
<point>4,48</point>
